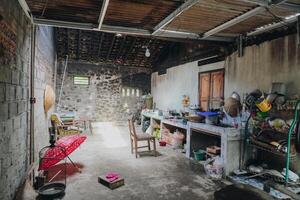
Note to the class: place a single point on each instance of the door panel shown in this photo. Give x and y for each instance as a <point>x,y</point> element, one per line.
<point>204,90</point>
<point>217,85</point>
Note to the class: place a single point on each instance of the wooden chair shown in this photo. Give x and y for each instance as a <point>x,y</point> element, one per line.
<point>63,129</point>
<point>136,138</point>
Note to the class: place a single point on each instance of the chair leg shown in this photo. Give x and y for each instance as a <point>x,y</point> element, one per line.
<point>149,147</point>
<point>154,146</point>
<point>136,149</point>
<point>131,144</point>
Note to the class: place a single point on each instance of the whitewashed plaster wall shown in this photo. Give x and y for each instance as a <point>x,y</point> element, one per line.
<point>168,89</point>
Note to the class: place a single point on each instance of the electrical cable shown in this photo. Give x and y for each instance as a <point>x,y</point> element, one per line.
<point>277,18</point>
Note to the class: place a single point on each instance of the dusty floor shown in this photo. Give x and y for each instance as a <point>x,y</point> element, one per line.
<point>168,176</point>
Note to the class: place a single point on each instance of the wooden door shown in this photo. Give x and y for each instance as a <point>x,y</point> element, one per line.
<point>211,89</point>
<point>204,90</point>
<point>217,88</point>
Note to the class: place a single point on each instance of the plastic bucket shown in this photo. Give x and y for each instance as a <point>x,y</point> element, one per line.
<point>199,155</point>
<point>264,105</point>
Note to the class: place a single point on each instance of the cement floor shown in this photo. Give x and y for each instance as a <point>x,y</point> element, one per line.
<point>168,176</point>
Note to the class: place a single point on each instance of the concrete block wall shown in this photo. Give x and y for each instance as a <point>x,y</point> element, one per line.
<point>15,45</point>
<point>102,99</point>
<point>14,94</point>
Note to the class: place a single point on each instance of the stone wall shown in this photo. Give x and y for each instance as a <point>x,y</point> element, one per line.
<point>102,99</point>
<point>14,93</point>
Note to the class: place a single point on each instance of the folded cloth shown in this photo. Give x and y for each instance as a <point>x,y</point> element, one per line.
<point>111,176</point>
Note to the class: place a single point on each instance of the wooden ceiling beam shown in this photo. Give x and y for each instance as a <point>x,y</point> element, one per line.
<point>130,31</point>
<point>102,13</point>
<point>185,6</point>
<point>26,9</point>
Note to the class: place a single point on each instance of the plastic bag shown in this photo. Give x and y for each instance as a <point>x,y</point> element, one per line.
<point>214,167</point>
<point>177,140</point>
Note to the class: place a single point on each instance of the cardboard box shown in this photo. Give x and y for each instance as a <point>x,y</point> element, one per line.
<point>112,185</point>
<point>213,150</point>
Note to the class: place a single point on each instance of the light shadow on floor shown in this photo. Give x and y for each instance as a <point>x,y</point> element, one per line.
<point>110,134</point>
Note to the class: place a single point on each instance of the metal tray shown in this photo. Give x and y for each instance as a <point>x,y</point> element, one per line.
<point>52,189</point>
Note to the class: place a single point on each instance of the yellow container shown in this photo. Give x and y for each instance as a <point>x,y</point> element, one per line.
<point>264,105</point>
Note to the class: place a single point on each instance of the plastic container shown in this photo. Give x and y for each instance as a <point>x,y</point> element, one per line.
<point>199,155</point>
<point>162,143</point>
<point>211,120</point>
<point>177,140</point>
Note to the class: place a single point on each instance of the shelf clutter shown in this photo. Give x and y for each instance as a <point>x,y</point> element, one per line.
<point>256,137</point>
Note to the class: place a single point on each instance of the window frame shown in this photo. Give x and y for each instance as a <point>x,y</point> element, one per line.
<point>80,76</point>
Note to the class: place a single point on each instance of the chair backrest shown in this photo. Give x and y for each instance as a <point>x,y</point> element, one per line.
<point>131,128</point>
<point>56,120</point>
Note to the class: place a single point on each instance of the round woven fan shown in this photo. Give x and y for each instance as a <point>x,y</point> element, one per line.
<point>49,98</point>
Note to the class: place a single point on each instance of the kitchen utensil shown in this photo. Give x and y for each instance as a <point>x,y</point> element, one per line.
<point>278,88</point>
<point>52,190</point>
<point>236,96</point>
<point>252,98</point>
<point>210,117</point>
<point>255,169</point>
<point>271,97</point>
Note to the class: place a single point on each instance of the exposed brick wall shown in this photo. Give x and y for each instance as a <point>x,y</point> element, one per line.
<point>14,93</point>
<point>102,100</point>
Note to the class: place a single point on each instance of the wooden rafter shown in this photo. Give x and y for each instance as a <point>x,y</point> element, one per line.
<point>111,47</point>
<point>78,45</point>
<point>121,47</point>
<point>100,43</point>
<point>130,49</point>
